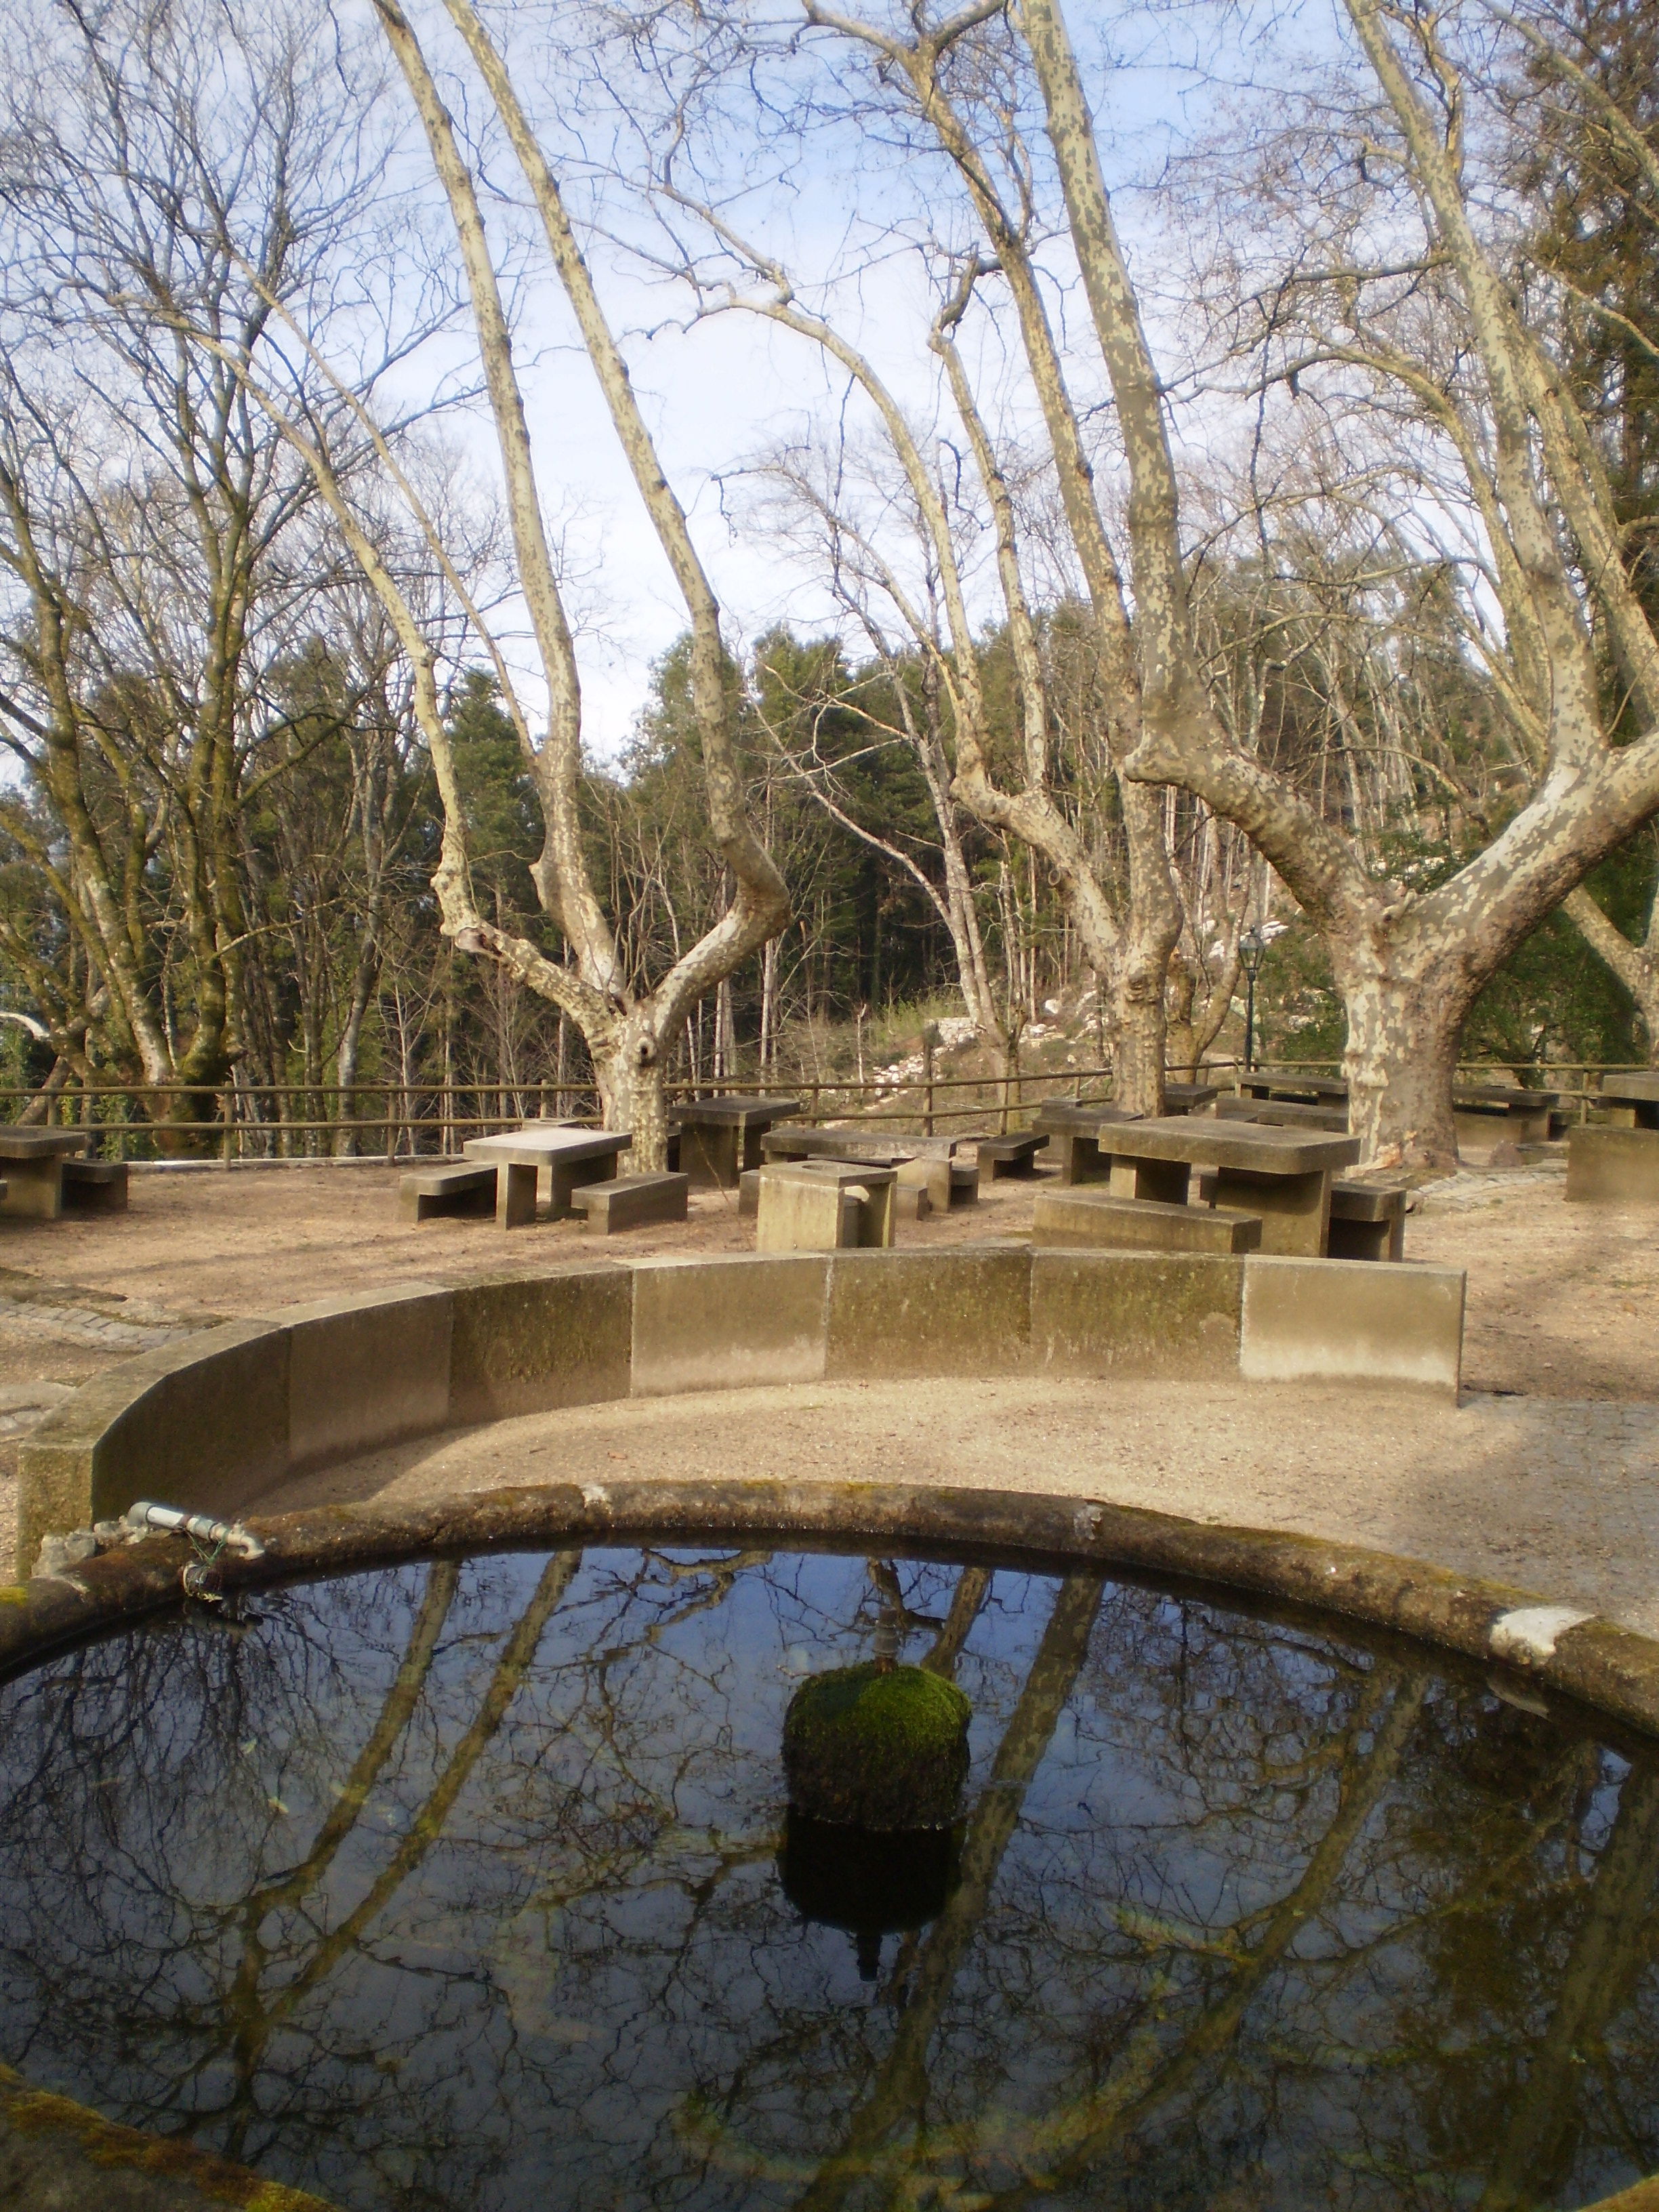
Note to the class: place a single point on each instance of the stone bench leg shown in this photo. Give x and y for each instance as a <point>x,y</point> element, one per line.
<point>1363,1240</point>
<point>1165,1181</point>
<point>566,1175</point>
<point>1295,1210</point>
<point>34,1188</point>
<point>515,1196</point>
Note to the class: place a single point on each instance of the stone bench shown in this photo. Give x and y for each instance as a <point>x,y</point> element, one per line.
<point>1010,1156</point>
<point>1093,1217</point>
<point>95,1186</point>
<point>1368,1221</point>
<point>631,1201</point>
<point>457,1189</point>
<point>947,1182</point>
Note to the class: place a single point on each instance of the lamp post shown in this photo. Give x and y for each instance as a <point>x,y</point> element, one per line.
<point>1252,944</point>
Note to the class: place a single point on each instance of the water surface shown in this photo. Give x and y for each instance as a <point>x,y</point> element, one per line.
<point>456,1886</point>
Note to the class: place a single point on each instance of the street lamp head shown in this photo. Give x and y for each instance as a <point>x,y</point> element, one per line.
<point>1252,944</point>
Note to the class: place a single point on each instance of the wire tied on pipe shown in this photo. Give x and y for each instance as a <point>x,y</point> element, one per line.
<point>200,1577</point>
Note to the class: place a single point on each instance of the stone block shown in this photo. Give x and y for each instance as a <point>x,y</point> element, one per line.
<point>1352,1320</point>
<point>1135,1313</point>
<point>365,1370</point>
<point>727,1324</point>
<point>749,1193</point>
<point>804,1206</point>
<point>1094,1217</point>
<point>1612,1167</point>
<point>202,1424</point>
<point>522,1346</point>
<point>961,1312</point>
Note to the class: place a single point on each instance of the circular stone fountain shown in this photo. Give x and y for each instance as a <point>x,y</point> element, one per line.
<point>456,1882</point>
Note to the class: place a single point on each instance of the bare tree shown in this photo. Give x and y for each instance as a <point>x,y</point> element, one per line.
<point>155,535</point>
<point>1408,961</point>
<point>626,1027</point>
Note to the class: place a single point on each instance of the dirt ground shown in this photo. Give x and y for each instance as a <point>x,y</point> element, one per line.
<point>1548,1475</point>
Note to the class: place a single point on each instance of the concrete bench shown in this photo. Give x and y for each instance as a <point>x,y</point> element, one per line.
<point>1093,1217</point>
<point>460,1188</point>
<point>947,1182</point>
<point>95,1186</point>
<point>1368,1221</point>
<point>632,1201</point>
<point>1010,1156</point>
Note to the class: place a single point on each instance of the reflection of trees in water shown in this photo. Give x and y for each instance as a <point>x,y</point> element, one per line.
<point>452,1879</point>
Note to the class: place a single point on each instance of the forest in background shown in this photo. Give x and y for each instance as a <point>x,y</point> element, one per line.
<point>261,730</point>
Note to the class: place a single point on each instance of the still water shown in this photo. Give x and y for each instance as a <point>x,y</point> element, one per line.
<point>457,1886</point>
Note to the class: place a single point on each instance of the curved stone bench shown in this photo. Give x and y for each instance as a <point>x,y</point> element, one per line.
<point>222,1419</point>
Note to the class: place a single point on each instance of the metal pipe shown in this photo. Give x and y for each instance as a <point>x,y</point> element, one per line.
<point>229,1535</point>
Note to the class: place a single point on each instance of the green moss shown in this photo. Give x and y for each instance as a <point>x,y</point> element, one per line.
<point>875,1747</point>
<point>100,2142</point>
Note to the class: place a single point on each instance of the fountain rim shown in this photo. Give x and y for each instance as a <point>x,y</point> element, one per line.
<point>1533,1644</point>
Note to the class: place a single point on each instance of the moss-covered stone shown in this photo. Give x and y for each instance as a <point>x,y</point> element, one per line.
<point>876,1747</point>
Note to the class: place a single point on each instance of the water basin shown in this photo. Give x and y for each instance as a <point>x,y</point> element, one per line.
<point>468,1884</point>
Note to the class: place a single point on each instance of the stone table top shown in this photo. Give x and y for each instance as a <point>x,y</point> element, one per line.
<point>1257,1147</point>
<point>1641,1083</point>
<point>1258,1085</point>
<point>735,1110</point>
<point>1474,1097</point>
<point>847,1144</point>
<point>1081,1117</point>
<point>536,1147</point>
<point>38,1144</point>
<point>840,1173</point>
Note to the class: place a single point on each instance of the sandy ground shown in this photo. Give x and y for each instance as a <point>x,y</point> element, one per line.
<point>1553,1495</point>
<point>1548,1475</point>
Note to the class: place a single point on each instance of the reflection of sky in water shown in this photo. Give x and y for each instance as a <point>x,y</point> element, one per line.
<point>455,1885</point>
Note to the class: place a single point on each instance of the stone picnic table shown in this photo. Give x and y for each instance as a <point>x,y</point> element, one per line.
<point>32,1165</point>
<point>719,1138</point>
<point>1283,1174</point>
<point>1493,1114</point>
<point>570,1156</point>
